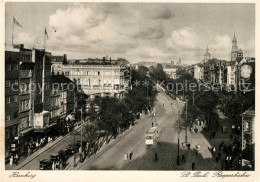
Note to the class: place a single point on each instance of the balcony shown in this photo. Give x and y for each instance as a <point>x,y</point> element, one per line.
<point>25,74</point>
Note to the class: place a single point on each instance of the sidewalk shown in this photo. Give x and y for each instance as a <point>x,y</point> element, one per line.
<point>24,160</point>
<point>205,160</point>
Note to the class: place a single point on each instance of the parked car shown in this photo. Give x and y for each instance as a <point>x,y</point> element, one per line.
<point>45,164</point>
<point>55,157</point>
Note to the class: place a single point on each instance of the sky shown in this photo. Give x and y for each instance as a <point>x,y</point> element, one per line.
<point>136,31</point>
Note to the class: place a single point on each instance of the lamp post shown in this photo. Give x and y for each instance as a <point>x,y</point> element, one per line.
<point>186,128</point>
<point>178,157</point>
<point>81,160</point>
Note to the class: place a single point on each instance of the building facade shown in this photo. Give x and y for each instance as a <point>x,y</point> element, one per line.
<point>12,60</point>
<point>96,79</point>
<point>199,73</point>
<point>248,134</point>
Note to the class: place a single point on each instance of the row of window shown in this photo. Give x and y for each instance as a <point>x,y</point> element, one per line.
<point>25,105</point>
<point>54,113</point>
<point>95,73</point>
<point>9,83</point>
<point>11,99</point>
<point>11,67</point>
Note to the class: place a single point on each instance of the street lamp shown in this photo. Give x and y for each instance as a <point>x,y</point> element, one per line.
<point>80,154</point>
<point>178,157</point>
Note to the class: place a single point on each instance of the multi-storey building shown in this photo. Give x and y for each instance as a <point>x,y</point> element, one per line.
<point>199,73</point>
<point>96,79</point>
<point>26,97</point>
<point>101,80</point>
<point>231,70</point>
<point>248,134</point>
<point>12,60</point>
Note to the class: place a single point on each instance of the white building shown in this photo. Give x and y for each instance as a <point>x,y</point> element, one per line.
<point>171,72</point>
<point>198,72</point>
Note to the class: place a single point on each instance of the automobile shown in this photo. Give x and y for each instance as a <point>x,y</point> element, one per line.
<point>67,153</point>
<point>45,164</point>
<point>54,157</point>
<point>70,148</point>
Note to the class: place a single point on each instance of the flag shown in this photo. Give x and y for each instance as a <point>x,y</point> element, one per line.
<point>46,33</point>
<point>17,23</point>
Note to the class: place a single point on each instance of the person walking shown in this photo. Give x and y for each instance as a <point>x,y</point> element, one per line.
<point>183,158</point>
<point>193,165</point>
<point>53,166</point>
<point>16,159</point>
<point>11,160</point>
<point>217,158</point>
<point>130,155</point>
<point>156,156</point>
<point>125,158</point>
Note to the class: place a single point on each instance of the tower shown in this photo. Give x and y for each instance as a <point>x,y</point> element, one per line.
<point>207,55</point>
<point>234,51</point>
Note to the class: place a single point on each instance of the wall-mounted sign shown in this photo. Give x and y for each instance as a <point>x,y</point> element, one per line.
<point>246,71</point>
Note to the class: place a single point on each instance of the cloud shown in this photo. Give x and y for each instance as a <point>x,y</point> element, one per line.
<point>148,52</point>
<point>147,32</point>
<point>75,20</point>
<point>184,38</point>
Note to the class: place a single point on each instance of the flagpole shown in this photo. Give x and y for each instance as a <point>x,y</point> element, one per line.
<point>13,32</point>
<point>44,38</point>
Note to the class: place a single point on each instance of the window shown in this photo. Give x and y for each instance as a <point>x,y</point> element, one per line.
<point>24,88</point>
<point>7,100</point>
<point>8,83</point>
<point>24,105</point>
<point>24,122</point>
<point>7,117</point>
<point>16,98</point>
<point>7,133</point>
<point>14,67</point>
<point>246,126</point>
<point>98,72</point>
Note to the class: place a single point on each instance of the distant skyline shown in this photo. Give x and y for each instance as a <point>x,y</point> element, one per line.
<point>136,31</point>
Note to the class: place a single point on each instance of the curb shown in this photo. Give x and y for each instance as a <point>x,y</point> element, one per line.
<point>44,151</point>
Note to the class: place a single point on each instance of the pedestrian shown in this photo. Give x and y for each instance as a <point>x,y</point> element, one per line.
<point>11,160</point>
<point>29,151</point>
<point>156,156</point>
<point>57,164</point>
<point>125,158</point>
<point>53,166</point>
<point>217,158</point>
<point>130,155</point>
<point>193,165</point>
<point>16,159</point>
<point>183,158</point>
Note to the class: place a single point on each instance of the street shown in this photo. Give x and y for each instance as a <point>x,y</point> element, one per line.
<point>143,156</point>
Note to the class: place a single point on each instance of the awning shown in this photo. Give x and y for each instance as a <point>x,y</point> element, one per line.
<point>41,130</point>
<point>25,131</point>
